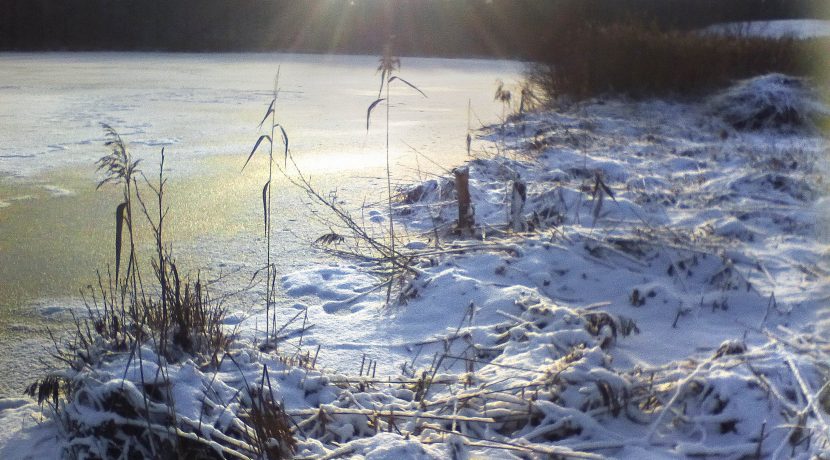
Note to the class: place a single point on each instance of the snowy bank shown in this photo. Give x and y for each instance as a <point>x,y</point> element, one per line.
<point>665,296</point>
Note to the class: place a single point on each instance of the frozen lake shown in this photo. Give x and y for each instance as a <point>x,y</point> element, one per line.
<point>56,230</point>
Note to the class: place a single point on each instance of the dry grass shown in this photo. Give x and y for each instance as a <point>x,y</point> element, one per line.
<point>127,311</point>
<point>271,425</point>
<point>640,60</point>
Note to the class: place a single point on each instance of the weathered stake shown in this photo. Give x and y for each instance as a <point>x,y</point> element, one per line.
<point>465,208</point>
<point>517,205</point>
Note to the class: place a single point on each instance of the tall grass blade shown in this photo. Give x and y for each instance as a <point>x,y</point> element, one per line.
<point>369,112</point>
<point>382,71</point>
<point>268,112</point>
<point>119,227</point>
<point>408,84</point>
<point>265,204</point>
<point>605,188</point>
<point>259,141</point>
<point>597,207</point>
<point>284,142</point>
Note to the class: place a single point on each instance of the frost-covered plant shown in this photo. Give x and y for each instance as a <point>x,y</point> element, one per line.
<point>387,66</point>
<point>181,317</point>
<point>152,321</point>
<point>270,269</point>
<point>505,96</point>
<point>120,169</point>
<point>775,101</point>
<point>272,427</point>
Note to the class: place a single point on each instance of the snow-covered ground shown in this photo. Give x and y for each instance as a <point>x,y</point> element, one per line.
<point>794,28</point>
<point>665,296</point>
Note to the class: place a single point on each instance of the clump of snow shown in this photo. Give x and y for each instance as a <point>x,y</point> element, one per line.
<point>56,191</point>
<point>773,101</point>
<point>432,190</point>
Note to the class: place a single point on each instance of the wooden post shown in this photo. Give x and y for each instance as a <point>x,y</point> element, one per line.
<point>517,205</point>
<point>465,208</point>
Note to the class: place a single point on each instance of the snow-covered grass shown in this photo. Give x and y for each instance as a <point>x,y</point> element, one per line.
<point>667,300</point>
<point>774,101</point>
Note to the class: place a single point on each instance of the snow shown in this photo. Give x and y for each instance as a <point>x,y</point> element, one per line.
<point>773,101</point>
<point>668,299</point>
<point>55,190</point>
<point>26,431</point>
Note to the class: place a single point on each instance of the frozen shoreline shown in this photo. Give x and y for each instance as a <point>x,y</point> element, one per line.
<point>204,109</point>
<point>682,311</point>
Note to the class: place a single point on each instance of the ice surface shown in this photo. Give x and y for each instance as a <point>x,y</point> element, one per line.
<point>208,104</point>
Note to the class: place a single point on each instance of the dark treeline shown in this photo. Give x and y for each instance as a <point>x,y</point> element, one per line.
<point>501,28</point>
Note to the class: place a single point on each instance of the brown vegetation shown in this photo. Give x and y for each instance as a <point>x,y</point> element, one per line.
<point>638,60</point>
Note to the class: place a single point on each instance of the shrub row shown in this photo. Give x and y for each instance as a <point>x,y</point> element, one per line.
<point>640,60</point>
